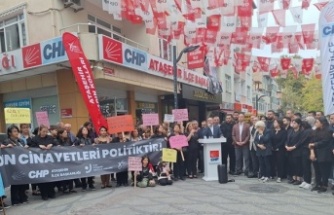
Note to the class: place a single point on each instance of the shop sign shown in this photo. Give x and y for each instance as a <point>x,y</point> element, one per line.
<point>22,103</point>
<point>50,109</point>
<point>66,113</point>
<point>116,52</point>
<point>194,93</point>
<point>44,53</point>
<point>10,62</point>
<point>134,58</point>
<point>53,51</point>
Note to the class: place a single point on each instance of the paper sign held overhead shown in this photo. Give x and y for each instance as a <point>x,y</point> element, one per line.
<point>17,115</point>
<point>150,119</point>
<point>168,118</point>
<point>169,155</point>
<point>42,118</point>
<point>134,164</point>
<point>178,141</point>
<point>119,124</point>
<point>180,115</point>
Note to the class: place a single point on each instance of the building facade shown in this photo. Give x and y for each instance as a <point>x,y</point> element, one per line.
<point>132,70</point>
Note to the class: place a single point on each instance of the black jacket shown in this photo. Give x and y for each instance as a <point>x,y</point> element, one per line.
<point>278,139</point>
<point>265,141</point>
<point>193,142</point>
<point>85,141</point>
<point>17,142</point>
<point>226,129</point>
<point>322,140</point>
<point>295,139</point>
<point>36,141</point>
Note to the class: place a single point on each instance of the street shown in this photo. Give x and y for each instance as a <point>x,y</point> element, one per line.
<point>193,196</point>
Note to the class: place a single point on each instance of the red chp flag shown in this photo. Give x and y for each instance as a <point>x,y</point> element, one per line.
<point>84,77</point>
<point>196,58</point>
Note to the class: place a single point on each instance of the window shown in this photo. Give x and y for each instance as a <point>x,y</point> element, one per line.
<point>12,33</point>
<point>228,83</point>
<point>99,26</point>
<point>165,50</point>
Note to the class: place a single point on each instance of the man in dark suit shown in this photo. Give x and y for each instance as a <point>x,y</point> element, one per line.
<point>240,136</point>
<point>212,130</point>
<point>228,148</point>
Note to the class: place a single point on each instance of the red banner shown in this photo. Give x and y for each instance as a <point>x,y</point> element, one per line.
<point>84,77</point>
<point>196,59</point>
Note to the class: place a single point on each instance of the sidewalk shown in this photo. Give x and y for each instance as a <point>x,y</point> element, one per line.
<point>194,196</point>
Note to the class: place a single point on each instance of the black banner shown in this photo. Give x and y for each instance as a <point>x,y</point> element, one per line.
<point>33,165</point>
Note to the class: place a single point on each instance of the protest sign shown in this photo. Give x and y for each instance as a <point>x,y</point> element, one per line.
<point>168,118</point>
<point>17,115</point>
<point>169,155</point>
<point>42,118</point>
<point>180,115</point>
<point>150,119</point>
<point>19,165</point>
<point>134,164</point>
<point>119,124</point>
<point>178,141</point>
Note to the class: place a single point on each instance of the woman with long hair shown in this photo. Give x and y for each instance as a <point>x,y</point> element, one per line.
<point>293,147</point>
<point>145,177</point>
<point>104,138</point>
<point>193,150</point>
<point>322,154</point>
<point>278,139</point>
<point>134,136</point>
<point>45,142</point>
<point>17,192</point>
<point>83,139</point>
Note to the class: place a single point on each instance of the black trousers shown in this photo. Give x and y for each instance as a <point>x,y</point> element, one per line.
<point>264,166</point>
<point>306,163</point>
<point>201,159</point>
<point>67,185</point>
<point>322,172</point>
<point>227,151</point>
<point>84,182</point>
<point>295,165</point>
<point>179,166</point>
<point>47,189</point>
<point>17,194</point>
<point>191,159</point>
<point>255,162</point>
<point>122,177</point>
<point>278,163</point>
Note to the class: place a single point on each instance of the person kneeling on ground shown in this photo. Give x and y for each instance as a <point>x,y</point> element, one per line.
<point>164,177</point>
<point>145,177</point>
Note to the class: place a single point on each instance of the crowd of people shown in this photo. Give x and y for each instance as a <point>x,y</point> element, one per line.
<point>267,148</point>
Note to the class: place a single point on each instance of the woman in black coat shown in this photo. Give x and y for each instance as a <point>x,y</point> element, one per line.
<point>17,192</point>
<point>278,139</point>
<point>193,150</point>
<point>293,147</point>
<point>45,142</point>
<point>263,150</point>
<point>322,147</point>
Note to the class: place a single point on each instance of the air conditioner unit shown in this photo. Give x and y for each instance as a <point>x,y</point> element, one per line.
<point>75,4</point>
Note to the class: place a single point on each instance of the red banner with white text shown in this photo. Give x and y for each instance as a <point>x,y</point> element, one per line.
<point>84,77</point>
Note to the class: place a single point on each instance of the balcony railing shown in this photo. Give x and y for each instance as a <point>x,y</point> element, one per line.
<point>84,28</point>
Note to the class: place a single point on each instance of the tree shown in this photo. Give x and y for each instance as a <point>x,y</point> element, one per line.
<point>301,94</point>
<point>312,95</point>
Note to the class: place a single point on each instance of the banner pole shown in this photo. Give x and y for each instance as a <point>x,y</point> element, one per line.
<point>182,155</point>
<point>135,179</point>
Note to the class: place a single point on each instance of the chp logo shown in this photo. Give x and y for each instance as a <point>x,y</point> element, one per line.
<point>32,56</point>
<point>112,50</point>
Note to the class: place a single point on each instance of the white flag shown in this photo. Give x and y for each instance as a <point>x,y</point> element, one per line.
<point>326,21</point>
<point>297,14</point>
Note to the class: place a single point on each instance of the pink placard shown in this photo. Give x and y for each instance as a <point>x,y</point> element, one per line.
<point>178,141</point>
<point>42,118</point>
<point>134,164</point>
<point>180,115</point>
<point>150,119</point>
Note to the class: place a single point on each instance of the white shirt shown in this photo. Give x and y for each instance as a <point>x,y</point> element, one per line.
<point>241,126</point>
<point>211,128</point>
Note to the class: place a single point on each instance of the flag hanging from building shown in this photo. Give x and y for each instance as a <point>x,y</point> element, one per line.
<point>84,77</point>
<point>326,23</point>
